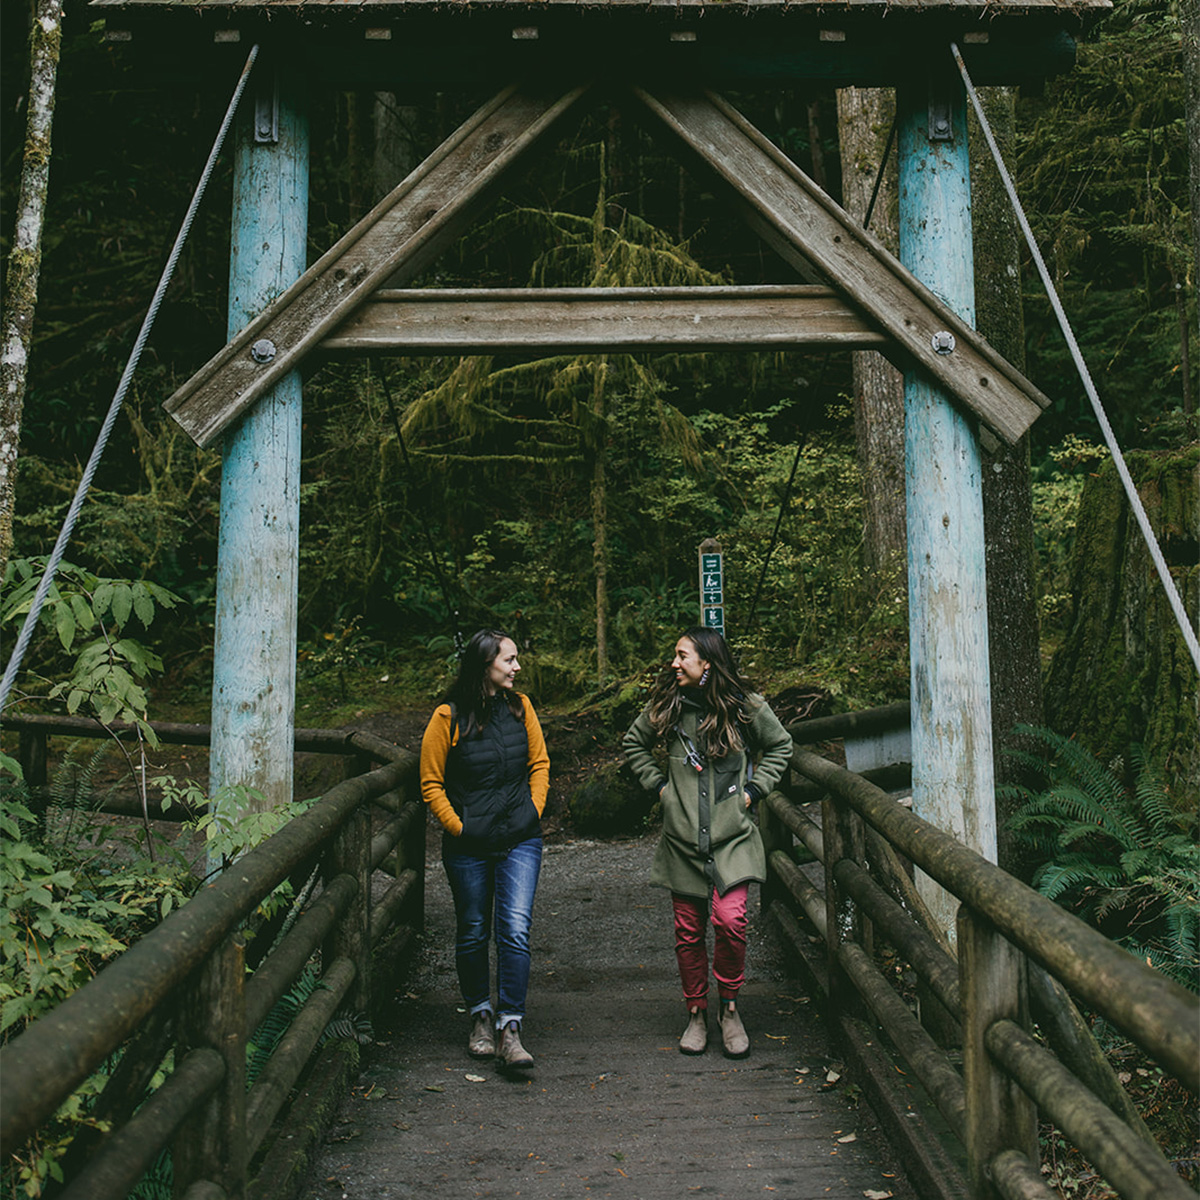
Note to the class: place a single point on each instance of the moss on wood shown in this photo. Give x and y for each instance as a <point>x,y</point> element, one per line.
<point>1123,673</point>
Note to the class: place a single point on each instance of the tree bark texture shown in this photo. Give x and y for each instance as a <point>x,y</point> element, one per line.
<point>864,117</point>
<point>600,516</point>
<point>1189,24</point>
<point>25,257</point>
<point>1123,674</point>
<point>394,151</point>
<point>1014,638</point>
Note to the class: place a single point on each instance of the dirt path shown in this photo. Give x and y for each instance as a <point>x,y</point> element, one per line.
<point>612,1109</point>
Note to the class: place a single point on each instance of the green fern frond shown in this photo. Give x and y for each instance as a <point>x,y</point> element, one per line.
<point>1056,878</point>
<point>1112,851</point>
<point>276,1023</point>
<point>351,1026</point>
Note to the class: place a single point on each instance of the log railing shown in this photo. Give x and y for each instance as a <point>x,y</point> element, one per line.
<point>1014,948</point>
<point>184,990</point>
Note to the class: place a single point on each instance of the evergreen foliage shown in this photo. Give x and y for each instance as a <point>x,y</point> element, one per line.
<point>1103,173</point>
<point>1109,843</point>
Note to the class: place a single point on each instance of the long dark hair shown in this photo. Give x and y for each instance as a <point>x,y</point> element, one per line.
<point>469,692</point>
<point>723,693</point>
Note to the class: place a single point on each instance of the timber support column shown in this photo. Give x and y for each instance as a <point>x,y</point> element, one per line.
<point>254,653</point>
<point>953,783</point>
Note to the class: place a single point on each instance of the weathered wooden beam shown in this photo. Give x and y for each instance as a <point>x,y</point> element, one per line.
<point>811,232</point>
<point>400,236</point>
<point>1136,1170</point>
<point>459,321</point>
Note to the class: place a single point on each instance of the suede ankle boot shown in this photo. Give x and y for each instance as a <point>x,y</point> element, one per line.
<point>482,1042</point>
<point>733,1033</point>
<point>695,1036</point>
<point>511,1055</point>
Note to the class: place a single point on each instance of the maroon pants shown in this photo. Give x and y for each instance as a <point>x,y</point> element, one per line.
<point>728,916</point>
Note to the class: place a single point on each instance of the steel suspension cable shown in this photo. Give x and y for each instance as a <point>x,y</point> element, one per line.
<point>1135,501</point>
<point>114,408</point>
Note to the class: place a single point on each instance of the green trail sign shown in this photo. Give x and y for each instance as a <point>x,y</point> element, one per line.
<point>712,587</point>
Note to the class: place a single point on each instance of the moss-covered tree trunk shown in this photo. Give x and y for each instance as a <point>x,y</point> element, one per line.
<point>864,117</point>
<point>599,499</point>
<point>1013,635</point>
<point>25,257</point>
<point>1123,674</point>
<point>1189,24</point>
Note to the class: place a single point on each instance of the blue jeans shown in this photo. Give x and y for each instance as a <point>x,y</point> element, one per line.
<point>502,883</point>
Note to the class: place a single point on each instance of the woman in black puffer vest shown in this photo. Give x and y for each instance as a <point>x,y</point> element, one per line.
<point>485,774</point>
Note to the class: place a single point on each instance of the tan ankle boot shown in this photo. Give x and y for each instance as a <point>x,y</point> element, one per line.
<point>482,1042</point>
<point>511,1055</point>
<point>695,1036</point>
<point>733,1033</point>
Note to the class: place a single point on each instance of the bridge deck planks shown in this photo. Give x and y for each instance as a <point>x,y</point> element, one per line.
<point>612,1109</point>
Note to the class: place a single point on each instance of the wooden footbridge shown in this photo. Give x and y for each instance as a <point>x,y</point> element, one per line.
<point>612,1109</point>
<point>629,1117</point>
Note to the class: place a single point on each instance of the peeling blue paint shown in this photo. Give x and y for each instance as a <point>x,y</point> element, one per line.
<point>254,652</point>
<point>953,782</point>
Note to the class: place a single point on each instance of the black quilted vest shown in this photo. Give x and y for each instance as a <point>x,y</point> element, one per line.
<point>487,780</point>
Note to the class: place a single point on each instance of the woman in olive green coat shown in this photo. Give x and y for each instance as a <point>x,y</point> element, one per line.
<point>725,750</point>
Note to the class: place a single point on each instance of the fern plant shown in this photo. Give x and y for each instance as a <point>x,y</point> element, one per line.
<point>1112,847</point>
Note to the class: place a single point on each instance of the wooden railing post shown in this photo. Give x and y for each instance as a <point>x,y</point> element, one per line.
<point>775,836</point>
<point>212,1147</point>
<point>842,831</point>
<point>350,854</point>
<point>31,754</point>
<point>993,984</point>
<point>413,854</point>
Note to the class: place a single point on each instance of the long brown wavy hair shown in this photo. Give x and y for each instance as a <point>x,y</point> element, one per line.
<point>469,692</point>
<point>723,694</point>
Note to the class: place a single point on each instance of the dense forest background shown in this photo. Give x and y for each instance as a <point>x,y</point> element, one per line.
<point>439,495</point>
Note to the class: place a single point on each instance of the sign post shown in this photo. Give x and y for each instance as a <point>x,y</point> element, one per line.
<point>712,586</point>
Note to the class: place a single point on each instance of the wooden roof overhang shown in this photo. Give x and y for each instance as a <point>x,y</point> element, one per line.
<point>398,44</point>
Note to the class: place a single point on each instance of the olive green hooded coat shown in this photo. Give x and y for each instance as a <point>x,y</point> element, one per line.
<point>709,838</point>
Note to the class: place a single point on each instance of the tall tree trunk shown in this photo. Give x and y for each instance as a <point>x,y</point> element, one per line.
<point>394,148</point>
<point>25,258</point>
<point>864,117</point>
<point>816,150</point>
<point>1123,674</point>
<point>1013,634</point>
<point>600,518</point>
<point>1189,21</point>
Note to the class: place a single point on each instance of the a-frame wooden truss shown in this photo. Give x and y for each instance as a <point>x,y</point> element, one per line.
<point>860,295</point>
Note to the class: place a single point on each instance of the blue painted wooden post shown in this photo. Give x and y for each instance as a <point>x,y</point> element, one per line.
<point>254,654</point>
<point>953,785</point>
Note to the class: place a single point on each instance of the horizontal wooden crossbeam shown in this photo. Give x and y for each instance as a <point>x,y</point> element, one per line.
<point>453,321</point>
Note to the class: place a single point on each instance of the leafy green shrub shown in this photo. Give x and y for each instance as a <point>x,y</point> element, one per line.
<point>1057,487</point>
<point>72,901</point>
<point>109,672</point>
<point>1113,849</point>
<point>68,905</point>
